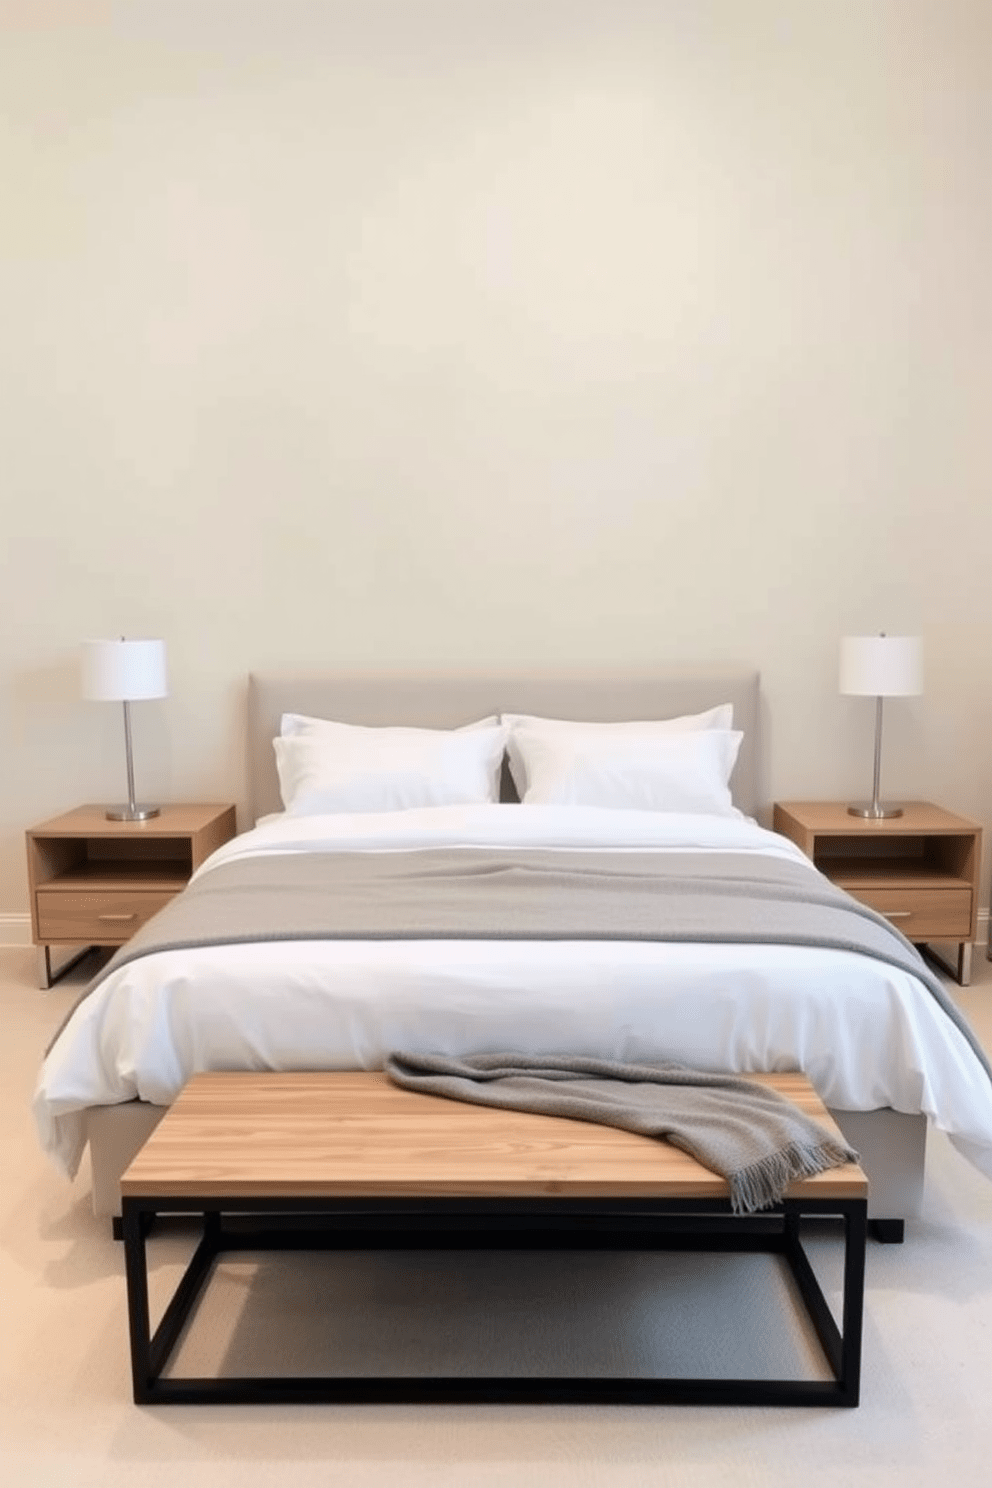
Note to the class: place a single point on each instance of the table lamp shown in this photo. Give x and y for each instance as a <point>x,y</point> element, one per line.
<point>880,666</point>
<point>125,672</point>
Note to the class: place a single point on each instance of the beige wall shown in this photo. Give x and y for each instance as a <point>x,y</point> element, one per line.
<point>492,333</point>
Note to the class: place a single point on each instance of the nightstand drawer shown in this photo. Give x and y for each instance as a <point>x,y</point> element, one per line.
<point>99,918</point>
<point>922,914</point>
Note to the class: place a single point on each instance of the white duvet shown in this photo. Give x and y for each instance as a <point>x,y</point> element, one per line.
<point>867,1034</point>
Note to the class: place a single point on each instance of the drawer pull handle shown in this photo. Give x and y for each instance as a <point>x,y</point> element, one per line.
<point>898,914</point>
<point>116,917</point>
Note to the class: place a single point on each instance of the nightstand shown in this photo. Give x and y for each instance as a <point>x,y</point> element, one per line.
<point>93,882</point>
<point>920,869</point>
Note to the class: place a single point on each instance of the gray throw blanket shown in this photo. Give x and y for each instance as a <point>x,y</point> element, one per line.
<point>535,894</point>
<point>752,1136</point>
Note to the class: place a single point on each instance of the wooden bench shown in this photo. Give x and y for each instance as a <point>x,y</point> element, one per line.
<point>349,1161</point>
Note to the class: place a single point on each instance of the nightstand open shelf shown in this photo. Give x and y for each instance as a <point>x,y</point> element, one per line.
<point>114,875</point>
<point>920,869</point>
<point>93,882</point>
<point>895,871</point>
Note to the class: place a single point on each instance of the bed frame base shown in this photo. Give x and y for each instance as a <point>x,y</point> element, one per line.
<point>887,1231</point>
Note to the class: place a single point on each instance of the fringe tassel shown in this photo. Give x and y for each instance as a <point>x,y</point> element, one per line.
<point>762,1184</point>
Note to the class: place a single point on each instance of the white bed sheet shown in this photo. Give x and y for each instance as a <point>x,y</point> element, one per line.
<point>867,1034</point>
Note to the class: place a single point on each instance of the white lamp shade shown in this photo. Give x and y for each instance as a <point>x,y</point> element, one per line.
<point>881,666</point>
<point>123,671</point>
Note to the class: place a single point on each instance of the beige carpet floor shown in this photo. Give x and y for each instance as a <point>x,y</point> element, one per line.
<point>66,1415</point>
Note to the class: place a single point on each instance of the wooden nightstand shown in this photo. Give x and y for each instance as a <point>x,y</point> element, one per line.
<point>920,869</point>
<point>93,881</point>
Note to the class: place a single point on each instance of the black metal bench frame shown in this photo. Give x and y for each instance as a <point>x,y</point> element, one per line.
<point>491,1224</point>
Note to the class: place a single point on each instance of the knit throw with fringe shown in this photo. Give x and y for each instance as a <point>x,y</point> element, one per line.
<point>750,1135</point>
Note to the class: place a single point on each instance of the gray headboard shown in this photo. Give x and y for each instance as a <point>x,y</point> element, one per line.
<point>447,701</point>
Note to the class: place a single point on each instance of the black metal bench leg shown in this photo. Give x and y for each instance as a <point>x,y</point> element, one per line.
<point>136,1269</point>
<point>117,1225</point>
<point>855,1237</point>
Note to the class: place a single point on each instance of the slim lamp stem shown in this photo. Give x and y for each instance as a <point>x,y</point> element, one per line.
<point>130,760</point>
<point>131,812</point>
<point>873,810</point>
<point>876,808</point>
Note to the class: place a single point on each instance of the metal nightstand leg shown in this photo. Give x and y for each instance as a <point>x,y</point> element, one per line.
<point>964,963</point>
<point>959,967</point>
<point>46,976</point>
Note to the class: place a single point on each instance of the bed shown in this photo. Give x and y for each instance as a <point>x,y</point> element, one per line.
<point>881,1051</point>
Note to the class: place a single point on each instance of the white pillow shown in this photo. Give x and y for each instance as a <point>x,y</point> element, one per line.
<point>325,766</point>
<point>570,736</point>
<point>685,771</point>
<point>721,717</point>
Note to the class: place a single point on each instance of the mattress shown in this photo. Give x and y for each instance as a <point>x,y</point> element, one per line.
<point>868,1034</point>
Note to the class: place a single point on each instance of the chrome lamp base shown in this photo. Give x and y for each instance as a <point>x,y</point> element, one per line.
<point>874,811</point>
<point>131,812</point>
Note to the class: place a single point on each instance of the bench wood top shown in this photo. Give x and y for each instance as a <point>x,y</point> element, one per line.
<point>356,1134</point>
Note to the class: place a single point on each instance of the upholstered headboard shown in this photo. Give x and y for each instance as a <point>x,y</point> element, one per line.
<point>447,701</point>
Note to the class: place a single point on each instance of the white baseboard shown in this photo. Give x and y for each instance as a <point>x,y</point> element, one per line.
<point>15,929</point>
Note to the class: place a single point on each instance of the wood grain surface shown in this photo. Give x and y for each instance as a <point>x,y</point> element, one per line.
<point>355,1134</point>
